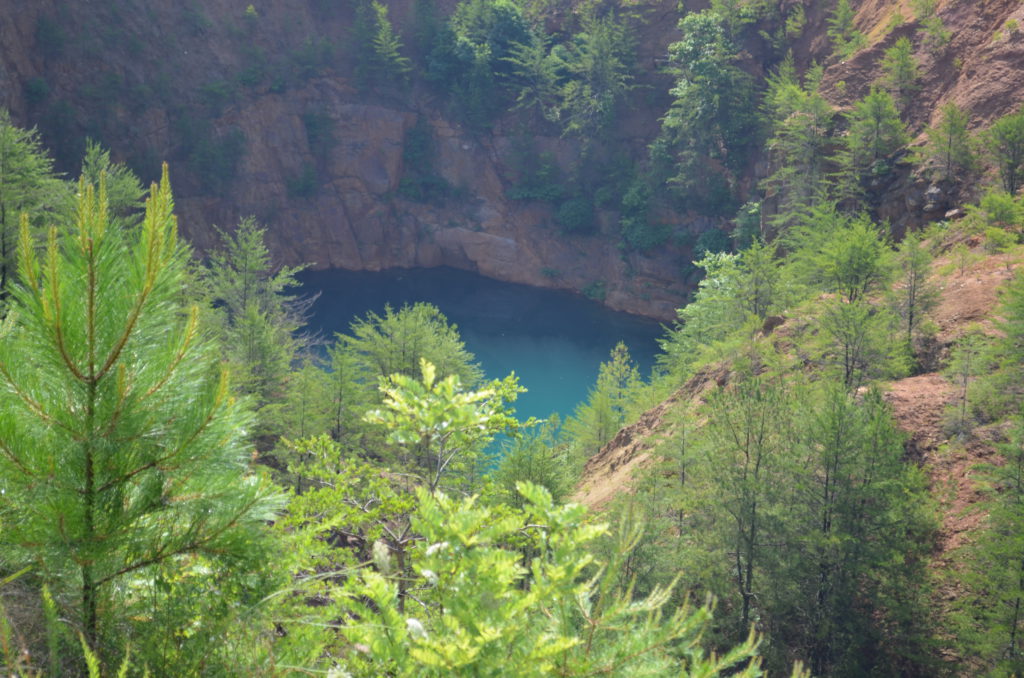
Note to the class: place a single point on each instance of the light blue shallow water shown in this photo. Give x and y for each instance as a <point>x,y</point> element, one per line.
<point>554,341</point>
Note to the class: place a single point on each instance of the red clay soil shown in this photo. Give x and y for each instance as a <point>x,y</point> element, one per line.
<point>610,471</point>
<point>970,297</point>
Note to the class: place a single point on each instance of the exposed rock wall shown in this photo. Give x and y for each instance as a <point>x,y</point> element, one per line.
<point>176,56</point>
<point>131,72</point>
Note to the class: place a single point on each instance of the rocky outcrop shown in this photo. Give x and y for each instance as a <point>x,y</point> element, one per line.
<point>172,81</point>
<point>71,68</point>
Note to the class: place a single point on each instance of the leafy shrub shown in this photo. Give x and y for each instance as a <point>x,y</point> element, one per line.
<point>712,241</point>
<point>420,180</point>
<point>576,215</point>
<point>539,178</point>
<point>997,240</point>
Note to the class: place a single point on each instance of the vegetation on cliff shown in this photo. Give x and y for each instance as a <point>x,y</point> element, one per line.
<point>191,486</point>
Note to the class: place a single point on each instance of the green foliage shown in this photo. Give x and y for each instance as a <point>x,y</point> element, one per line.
<point>801,122</point>
<point>950,147</point>
<point>539,458</point>
<point>997,240</point>
<point>538,175</point>
<point>51,38</point>
<point>821,471</point>
<point>214,157</point>
<point>397,341</point>
<point>255,319</point>
<point>598,62</point>
<point>595,290</point>
<point>990,623</point>
<point>421,181</point>
<point>937,35</point>
<point>709,318</point>
<point>999,210</point>
<point>305,184</point>
<point>1004,141</point>
<point>843,254</point>
<point>967,361</point>
<point>859,343</point>
<point>112,396</point>
<point>576,215</point>
<point>710,124</point>
<point>866,520</point>
<point>311,57</point>
<point>125,193</point>
<point>875,134</point>
<point>900,73</point>
<point>37,90</point>
<point>737,15</point>
<point>442,426</point>
<point>842,31</point>
<point>379,48</point>
<point>387,46</point>
<point>488,608</point>
<point>27,185</point>
<point>747,225</point>
<point>712,241</point>
<point>471,57</point>
<point>914,294</point>
<point>537,71</point>
<point>1004,388</point>
<point>598,419</point>
<point>319,128</point>
<point>638,231</point>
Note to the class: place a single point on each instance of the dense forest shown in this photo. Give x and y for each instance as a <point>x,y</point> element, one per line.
<point>194,483</point>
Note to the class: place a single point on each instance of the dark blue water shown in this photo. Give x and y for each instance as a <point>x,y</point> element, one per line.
<point>554,341</point>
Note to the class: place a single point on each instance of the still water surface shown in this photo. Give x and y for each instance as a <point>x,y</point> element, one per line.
<point>553,340</point>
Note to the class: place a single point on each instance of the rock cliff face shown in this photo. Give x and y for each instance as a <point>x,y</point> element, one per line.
<point>132,73</point>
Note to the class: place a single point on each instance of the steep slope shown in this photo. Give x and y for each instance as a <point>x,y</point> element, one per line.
<point>263,112</point>
<point>145,77</point>
<point>919,402</point>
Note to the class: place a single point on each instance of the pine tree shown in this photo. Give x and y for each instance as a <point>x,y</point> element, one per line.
<point>396,341</point>
<point>125,194</point>
<point>598,419</point>
<point>537,72</point>
<point>937,35</point>
<point>863,518</point>
<point>993,611</point>
<point>122,454</point>
<point>27,184</point>
<point>859,342</point>
<point>600,75</point>
<point>746,440</point>
<point>949,144</point>
<point>387,47</point>
<point>914,294</point>
<point>256,317</point>
<point>875,134</point>
<point>1005,143</point>
<point>900,73</point>
<point>800,145</point>
<point>846,39</point>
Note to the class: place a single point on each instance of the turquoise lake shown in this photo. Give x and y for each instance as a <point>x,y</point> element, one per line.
<point>554,341</point>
